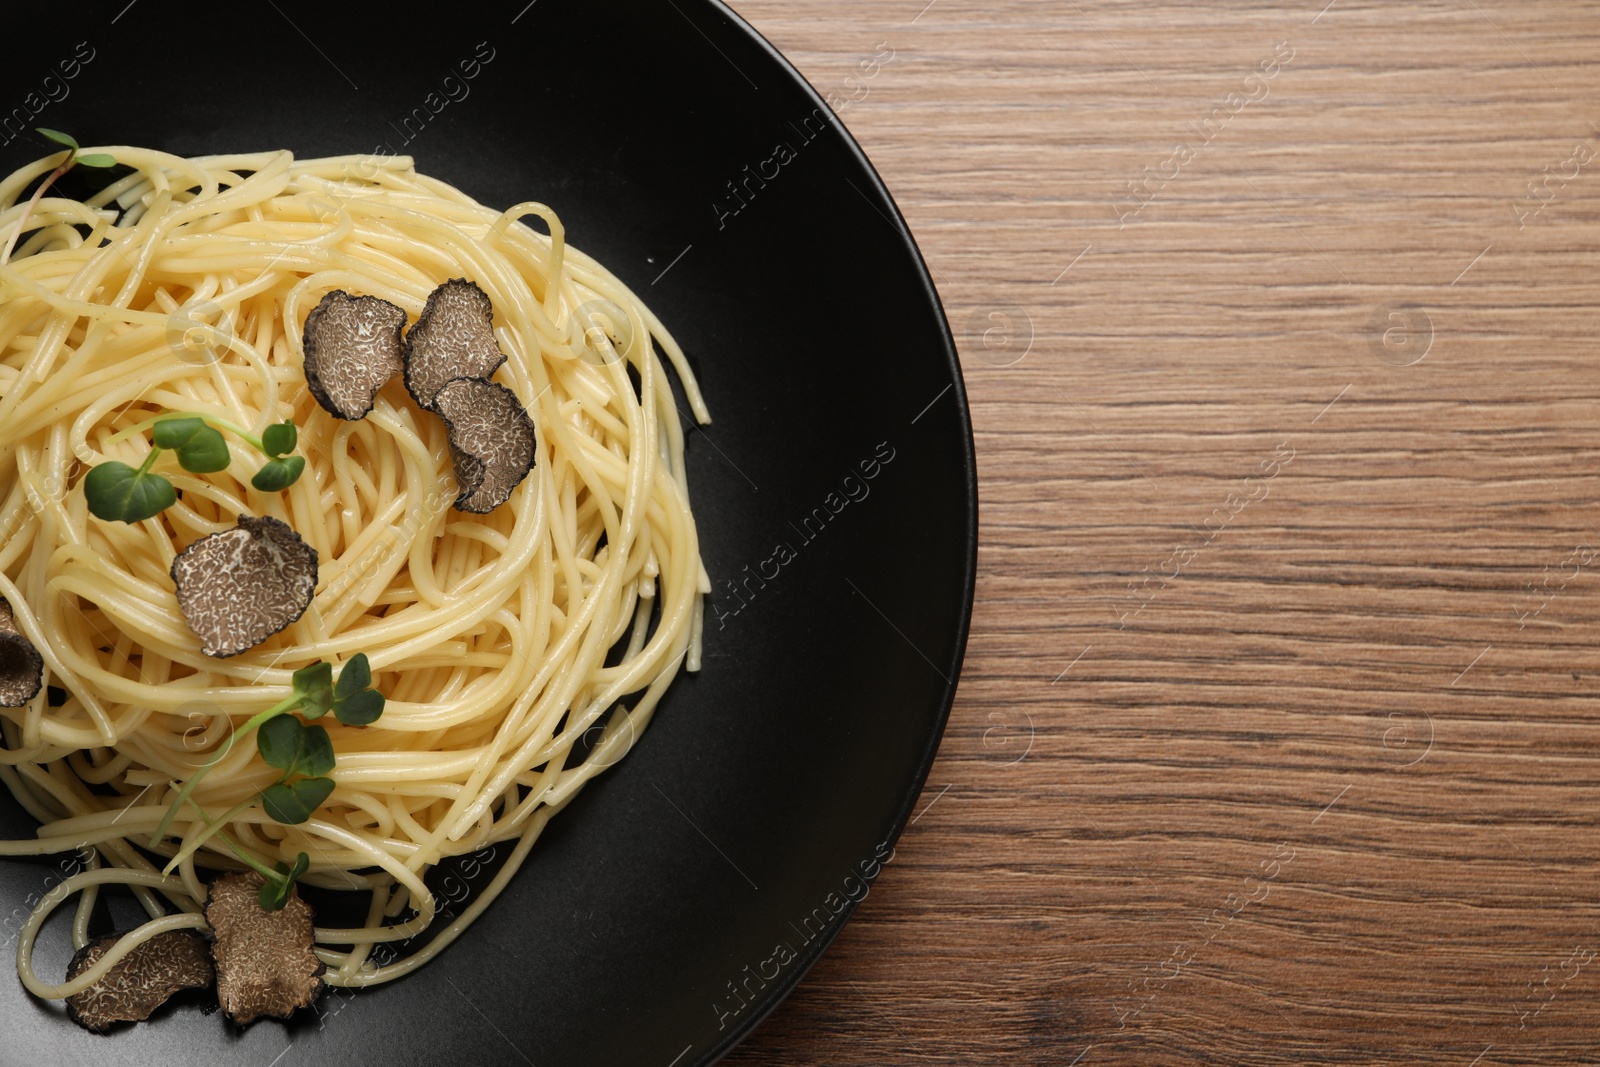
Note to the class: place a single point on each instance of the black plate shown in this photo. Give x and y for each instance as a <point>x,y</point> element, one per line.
<point>677,900</point>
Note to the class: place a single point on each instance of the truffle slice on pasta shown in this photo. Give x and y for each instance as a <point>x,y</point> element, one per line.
<point>491,441</point>
<point>21,666</point>
<point>239,587</point>
<point>453,338</point>
<point>352,348</point>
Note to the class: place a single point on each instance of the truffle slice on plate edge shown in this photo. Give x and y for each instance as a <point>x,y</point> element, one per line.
<point>352,347</point>
<point>491,441</point>
<point>453,338</point>
<point>21,666</point>
<point>266,965</point>
<point>238,587</point>
<point>141,981</point>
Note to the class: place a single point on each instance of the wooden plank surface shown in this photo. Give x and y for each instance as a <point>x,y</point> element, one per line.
<point>1277,739</point>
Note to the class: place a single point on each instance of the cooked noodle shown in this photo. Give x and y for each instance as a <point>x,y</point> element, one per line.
<point>490,635</point>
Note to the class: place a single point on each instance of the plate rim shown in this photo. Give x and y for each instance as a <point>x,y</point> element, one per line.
<point>719,22</point>
<point>880,197</point>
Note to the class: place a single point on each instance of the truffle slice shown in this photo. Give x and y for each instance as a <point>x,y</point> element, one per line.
<point>491,441</point>
<point>239,587</point>
<point>141,982</point>
<point>352,348</point>
<point>454,338</point>
<point>265,962</point>
<point>21,666</point>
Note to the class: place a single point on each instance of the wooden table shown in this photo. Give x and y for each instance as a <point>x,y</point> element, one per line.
<point>1276,740</point>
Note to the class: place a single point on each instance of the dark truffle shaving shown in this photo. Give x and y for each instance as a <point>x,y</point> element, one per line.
<point>453,338</point>
<point>21,666</point>
<point>265,962</point>
<point>141,981</point>
<point>352,348</point>
<point>239,587</point>
<point>491,441</point>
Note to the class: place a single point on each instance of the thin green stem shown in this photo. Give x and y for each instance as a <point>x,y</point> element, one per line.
<point>291,701</point>
<point>38,194</point>
<point>140,427</point>
<point>251,439</point>
<point>213,827</point>
<point>286,704</point>
<point>260,868</point>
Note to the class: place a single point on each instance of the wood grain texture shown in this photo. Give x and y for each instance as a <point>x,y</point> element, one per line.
<point>1277,739</point>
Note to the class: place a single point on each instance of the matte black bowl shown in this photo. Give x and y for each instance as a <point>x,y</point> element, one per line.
<point>686,891</point>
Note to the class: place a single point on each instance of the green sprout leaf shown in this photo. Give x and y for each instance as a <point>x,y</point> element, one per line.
<point>200,448</point>
<point>206,453</point>
<point>294,802</point>
<point>117,492</point>
<point>314,686</point>
<point>294,748</point>
<point>176,432</point>
<point>316,758</point>
<point>282,470</point>
<point>362,709</point>
<point>278,741</point>
<point>279,439</point>
<point>275,891</point>
<point>279,474</point>
<point>58,137</point>
<point>93,159</point>
<point>356,676</point>
<point>355,702</point>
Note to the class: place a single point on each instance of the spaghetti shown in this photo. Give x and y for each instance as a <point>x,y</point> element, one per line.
<point>500,640</point>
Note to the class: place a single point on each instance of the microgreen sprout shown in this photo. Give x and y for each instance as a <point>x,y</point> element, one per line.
<point>118,492</point>
<point>72,159</point>
<point>280,882</point>
<point>280,879</point>
<point>200,448</point>
<point>93,159</point>
<point>303,753</point>
<point>281,469</point>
